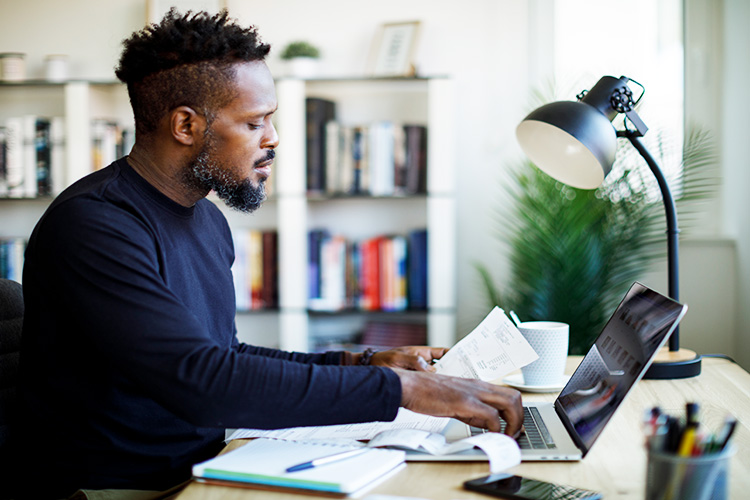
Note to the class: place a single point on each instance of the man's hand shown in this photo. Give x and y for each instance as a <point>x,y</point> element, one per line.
<point>417,358</point>
<point>471,401</point>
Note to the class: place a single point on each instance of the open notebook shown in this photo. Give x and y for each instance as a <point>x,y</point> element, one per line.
<point>262,463</point>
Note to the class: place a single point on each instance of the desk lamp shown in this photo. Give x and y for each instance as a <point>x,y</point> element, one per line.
<point>575,143</point>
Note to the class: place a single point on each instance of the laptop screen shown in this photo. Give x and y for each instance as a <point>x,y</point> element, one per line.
<point>617,360</point>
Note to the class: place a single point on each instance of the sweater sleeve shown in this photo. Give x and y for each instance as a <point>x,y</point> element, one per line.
<point>106,275</point>
<point>325,358</point>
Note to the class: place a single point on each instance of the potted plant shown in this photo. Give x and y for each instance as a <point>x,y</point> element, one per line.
<point>301,58</point>
<point>574,252</point>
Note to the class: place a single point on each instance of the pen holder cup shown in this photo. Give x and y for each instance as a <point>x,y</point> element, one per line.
<point>705,477</point>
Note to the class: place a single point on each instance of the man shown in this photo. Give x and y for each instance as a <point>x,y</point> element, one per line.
<point>129,350</point>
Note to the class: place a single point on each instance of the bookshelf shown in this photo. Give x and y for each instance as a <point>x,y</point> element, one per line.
<point>290,210</point>
<point>428,101</point>
<point>72,106</point>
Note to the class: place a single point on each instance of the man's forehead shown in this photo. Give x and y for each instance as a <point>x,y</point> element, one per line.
<point>254,84</point>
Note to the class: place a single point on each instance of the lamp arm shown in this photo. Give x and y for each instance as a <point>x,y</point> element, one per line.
<point>672,230</point>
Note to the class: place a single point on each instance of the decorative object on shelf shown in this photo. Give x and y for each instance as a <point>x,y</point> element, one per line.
<point>155,9</point>
<point>12,66</point>
<point>394,49</point>
<point>301,59</point>
<point>56,68</point>
<point>575,142</point>
<point>572,251</point>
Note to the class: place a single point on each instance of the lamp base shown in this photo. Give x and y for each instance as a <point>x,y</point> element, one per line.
<point>667,364</point>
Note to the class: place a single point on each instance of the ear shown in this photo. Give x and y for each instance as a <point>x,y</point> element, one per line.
<point>186,126</point>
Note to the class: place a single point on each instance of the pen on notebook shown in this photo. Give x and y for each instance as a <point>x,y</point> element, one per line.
<point>328,459</point>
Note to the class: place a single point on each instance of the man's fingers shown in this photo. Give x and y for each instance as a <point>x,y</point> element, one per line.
<point>437,352</point>
<point>423,365</point>
<point>513,414</point>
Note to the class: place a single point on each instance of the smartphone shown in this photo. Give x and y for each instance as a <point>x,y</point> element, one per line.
<point>523,488</point>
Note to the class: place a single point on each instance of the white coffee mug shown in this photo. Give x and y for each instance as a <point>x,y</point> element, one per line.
<point>550,341</point>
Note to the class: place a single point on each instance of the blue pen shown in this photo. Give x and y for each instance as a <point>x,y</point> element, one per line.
<point>328,459</point>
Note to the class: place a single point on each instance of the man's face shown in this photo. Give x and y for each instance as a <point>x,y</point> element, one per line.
<point>236,156</point>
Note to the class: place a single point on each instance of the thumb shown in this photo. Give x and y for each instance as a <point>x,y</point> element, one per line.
<point>423,366</point>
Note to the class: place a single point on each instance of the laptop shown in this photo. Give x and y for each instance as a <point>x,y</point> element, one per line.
<point>621,354</point>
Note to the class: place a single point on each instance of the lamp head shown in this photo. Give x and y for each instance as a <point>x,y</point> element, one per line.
<point>574,141</point>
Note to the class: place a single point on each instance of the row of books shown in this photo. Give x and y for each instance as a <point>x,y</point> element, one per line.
<point>32,153</point>
<point>109,141</point>
<point>378,159</point>
<point>255,269</point>
<point>31,156</point>
<point>11,258</point>
<point>383,273</point>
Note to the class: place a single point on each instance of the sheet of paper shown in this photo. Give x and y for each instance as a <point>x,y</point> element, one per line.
<point>502,450</point>
<point>412,439</point>
<point>492,350</point>
<point>404,420</point>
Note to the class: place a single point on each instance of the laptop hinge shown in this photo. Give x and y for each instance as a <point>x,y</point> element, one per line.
<point>571,430</point>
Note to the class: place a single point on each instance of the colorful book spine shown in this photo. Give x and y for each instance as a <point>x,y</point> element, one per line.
<point>417,269</point>
<point>255,269</point>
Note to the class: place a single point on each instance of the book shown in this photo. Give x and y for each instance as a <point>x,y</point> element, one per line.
<point>11,258</point>
<point>318,113</point>
<point>14,158</point>
<point>380,158</point>
<point>360,172</point>
<point>270,290</point>
<point>240,271</point>
<point>333,164</point>
<point>416,159</point>
<point>42,158</point>
<point>57,154</point>
<point>255,268</point>
<point>3,173</point>
<point>314,240</point>
<point>263,463</point>
<point>370,275</point>
<point>417,269</point>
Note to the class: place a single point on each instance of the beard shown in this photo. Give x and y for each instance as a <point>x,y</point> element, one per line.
<point>206,173</point>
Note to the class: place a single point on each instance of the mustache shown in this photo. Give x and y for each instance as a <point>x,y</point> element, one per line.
<point>269,157</point>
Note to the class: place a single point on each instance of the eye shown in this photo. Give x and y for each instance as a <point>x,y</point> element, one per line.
<point>255,126</point>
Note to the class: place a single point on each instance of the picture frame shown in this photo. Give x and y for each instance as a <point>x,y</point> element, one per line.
<point>155,9</point>
<point>394,49</point>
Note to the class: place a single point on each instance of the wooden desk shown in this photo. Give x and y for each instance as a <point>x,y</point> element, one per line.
<point>615,466</point>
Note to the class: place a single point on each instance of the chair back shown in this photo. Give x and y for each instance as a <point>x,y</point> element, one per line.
<point>11,319</point>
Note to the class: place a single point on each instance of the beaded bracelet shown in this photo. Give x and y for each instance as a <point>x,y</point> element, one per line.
<point>366,356</point>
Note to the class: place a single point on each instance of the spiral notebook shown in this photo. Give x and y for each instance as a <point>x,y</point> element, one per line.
<point>262,463</point>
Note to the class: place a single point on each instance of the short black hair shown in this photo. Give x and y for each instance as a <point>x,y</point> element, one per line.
<point>185,60</point>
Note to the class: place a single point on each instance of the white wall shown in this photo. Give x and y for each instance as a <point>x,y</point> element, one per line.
<point>495,49</point>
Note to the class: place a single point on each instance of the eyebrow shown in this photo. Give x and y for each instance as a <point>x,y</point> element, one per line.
<point>260,114</point>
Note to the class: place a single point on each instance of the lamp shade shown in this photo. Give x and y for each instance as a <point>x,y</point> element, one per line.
<point>572,142</point>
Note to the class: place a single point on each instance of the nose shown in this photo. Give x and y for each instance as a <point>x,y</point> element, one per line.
<point>271,138</point>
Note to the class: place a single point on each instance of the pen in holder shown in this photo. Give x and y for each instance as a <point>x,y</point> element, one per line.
<point>685,460</point>
<point>672,477</point>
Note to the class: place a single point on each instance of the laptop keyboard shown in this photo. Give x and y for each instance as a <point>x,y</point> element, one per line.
<point>536,436</point>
